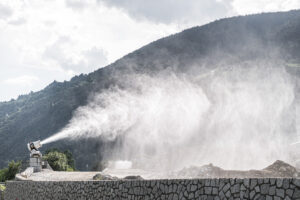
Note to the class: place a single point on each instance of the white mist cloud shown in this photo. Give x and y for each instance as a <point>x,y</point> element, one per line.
<point>229,118</point>
<point>118,110</point>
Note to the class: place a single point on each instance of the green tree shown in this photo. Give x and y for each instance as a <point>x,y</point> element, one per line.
<point>10,172</point>
<point>71,161</point>
<point>60,161</point>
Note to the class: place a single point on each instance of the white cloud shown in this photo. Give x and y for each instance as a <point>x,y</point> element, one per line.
<point>53,41</point>
<point>170,11</point>
<point>57,39</point>
<point>5,11</point>
<point>19,21</point>
<point>26,80</point>
<point>63,54</point>
<point>77,4</point>
<point>95,57</point>
<point>249,6</point>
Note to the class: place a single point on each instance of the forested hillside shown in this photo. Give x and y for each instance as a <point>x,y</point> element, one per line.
<point>40,114</point>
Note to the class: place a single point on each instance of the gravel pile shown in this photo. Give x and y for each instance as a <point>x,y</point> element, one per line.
<point>277,169</point>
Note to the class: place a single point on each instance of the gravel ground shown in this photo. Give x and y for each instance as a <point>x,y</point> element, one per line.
<point>277,169</point>
<point>47,175</point>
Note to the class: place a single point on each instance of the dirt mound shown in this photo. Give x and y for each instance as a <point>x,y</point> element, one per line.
<point>277,169</point>
<point>205,171</point>
<point>107,177</point>
<point>104,177</point>
<point>282,169</point>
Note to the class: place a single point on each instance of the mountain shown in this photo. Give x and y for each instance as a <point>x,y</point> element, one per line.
<point>233,40</point>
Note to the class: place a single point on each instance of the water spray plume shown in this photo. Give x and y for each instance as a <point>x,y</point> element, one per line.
<point>167,122</point>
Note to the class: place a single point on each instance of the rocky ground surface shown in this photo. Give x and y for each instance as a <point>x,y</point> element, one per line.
<point>276,170</point>
<point>48,175</point>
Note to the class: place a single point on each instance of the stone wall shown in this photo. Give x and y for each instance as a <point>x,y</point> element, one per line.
<point>268,188</point>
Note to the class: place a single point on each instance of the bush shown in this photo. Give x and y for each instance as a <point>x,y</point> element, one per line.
<point>2,190</point>
<point>2,187</point>
<point>10,172</point>
<point>60,161</point>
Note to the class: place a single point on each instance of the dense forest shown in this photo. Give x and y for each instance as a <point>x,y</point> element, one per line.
<point>37,115</point>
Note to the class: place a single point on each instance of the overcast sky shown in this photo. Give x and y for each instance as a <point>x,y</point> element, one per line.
<point>46,40</point>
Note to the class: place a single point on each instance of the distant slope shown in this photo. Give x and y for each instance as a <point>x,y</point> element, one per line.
<point>233,40</point>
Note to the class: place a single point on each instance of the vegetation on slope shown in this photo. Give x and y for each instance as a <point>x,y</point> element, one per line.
<point>10,172</point>
<point>60,160</point>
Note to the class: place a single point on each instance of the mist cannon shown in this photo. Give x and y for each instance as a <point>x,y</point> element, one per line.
<point>35,155</point>
<point>33,148</point>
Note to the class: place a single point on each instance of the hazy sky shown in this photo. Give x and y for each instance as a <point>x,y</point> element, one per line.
<point>46,40</point>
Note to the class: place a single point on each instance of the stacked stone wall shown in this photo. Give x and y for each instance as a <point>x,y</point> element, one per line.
<point>267,188</point>
<point>1,195</point>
